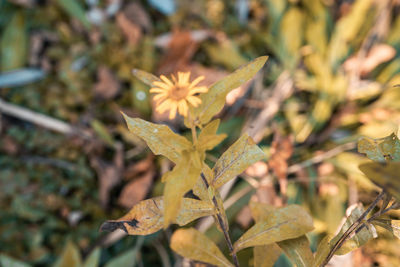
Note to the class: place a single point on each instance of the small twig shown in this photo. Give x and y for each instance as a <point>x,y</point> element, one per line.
<point>39,119</point>
<point>352,228</point>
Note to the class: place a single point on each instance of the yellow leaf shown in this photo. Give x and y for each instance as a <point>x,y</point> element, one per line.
<point>291,30</point>
<point>385,175</point>
<point>181,179</point>
<point>194,245</point>
<point>298,251</point>
<point>160,138</point>
<point>281,224</point>
<point>392,226</point>
<point>214,100</point>
<point>200,188</point>
<point>266,256</point>
<point>323,250</point>
<point>70,257</point>
<point>260,211</point>
<point>208,139</point>
<point>145,77</point>
<point>236,159</point>
<point>383,149</point>
<point>147,216</point>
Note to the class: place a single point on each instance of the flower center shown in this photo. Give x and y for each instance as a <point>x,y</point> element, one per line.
<point>178,92</point>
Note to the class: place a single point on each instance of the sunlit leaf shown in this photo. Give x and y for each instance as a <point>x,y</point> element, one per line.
<point>214,100</point>
<point>194,245</point>
<point>281,224</point>
<point>147,216</point>
<point>145,77</point>
<point>70,256</point>
<point>291,29</point>
<point>383,149</point>
<point>358,239</point>
<point>236,159</point>
<point>182,178</point>
<point>160,138</point>
<point>298,251</point>
<point>385,175</point>
<point>392,226</point>
<point>266,256</point>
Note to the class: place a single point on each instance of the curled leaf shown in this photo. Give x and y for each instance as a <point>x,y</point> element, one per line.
<point>281,224</point>
<point>214,100</point>
<point>147,216</point>
<point>194,245</point>
<point>160,138</point>
<point>236,159</point>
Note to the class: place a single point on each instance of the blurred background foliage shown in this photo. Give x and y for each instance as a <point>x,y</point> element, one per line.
<point>331,77</point>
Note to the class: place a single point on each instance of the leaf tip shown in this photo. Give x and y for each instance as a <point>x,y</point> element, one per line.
<point>110,226</point>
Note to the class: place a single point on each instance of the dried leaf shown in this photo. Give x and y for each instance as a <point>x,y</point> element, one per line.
<point>136,190</point>
<point>180,180</point>
<point>281,224</point>
<point>298,251</point>
<point>266,256</point>
<point>385,176</point>
<point>160,138</point>
<point>236,159</point>
<point>147,216</point>
<point>194,245</point>
<point>145,77</point>
<point>214,100</point>
<point>131,30</point>
<point>107,86</point>
<point>383,149</point>
<point>70,256</point>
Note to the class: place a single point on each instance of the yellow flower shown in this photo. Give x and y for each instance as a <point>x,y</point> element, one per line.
<point>178,94</point>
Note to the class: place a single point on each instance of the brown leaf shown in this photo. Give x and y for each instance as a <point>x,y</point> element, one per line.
<point>139,168</point>
<point>147,216</point>
<point>136,190</point>
<point>181,49</point>
<point>131,30</point>
<point>107,86</point>
<point>281,151</point>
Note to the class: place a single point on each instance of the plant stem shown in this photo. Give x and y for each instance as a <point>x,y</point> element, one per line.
<point>218,215</point>
<point>222,225</point>
<point>352,228</point>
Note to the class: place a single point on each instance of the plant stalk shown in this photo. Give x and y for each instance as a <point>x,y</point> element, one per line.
<point>351,229</point>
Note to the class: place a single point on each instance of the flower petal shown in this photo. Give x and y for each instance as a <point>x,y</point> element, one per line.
<point>164,106</point>
<point>198,90</point>
<point>196,81</point>
<point>166,80</point>
<point>193,100</point>
<point>172,112</point>
<point>162,85</point>
<point>182,108</point>
<point>156,90</point>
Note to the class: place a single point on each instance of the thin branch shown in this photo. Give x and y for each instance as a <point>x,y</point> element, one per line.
<point>352,228</point>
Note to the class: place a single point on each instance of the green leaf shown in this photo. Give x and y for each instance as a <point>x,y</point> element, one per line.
<point>194,245</point>
<point>358,239</point>
<point>266,256</point>
<point>214,100</point>
<point>13,46</point>
<point>147,216</point>
<point>392,226</point>
<point>126,259</point>
<point>93,259</point>
<point>145,77</point>
<point>181,179</point>
<point>70,257</point>
<point>102,131</point>
<point>298,251</point>
<point>235,160</point>
<point>10,262</point>
<point>280,224</point>
<point>75,9</point>
<point>160,138</point>
<point>383,149</point>
<point>385,175</point>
